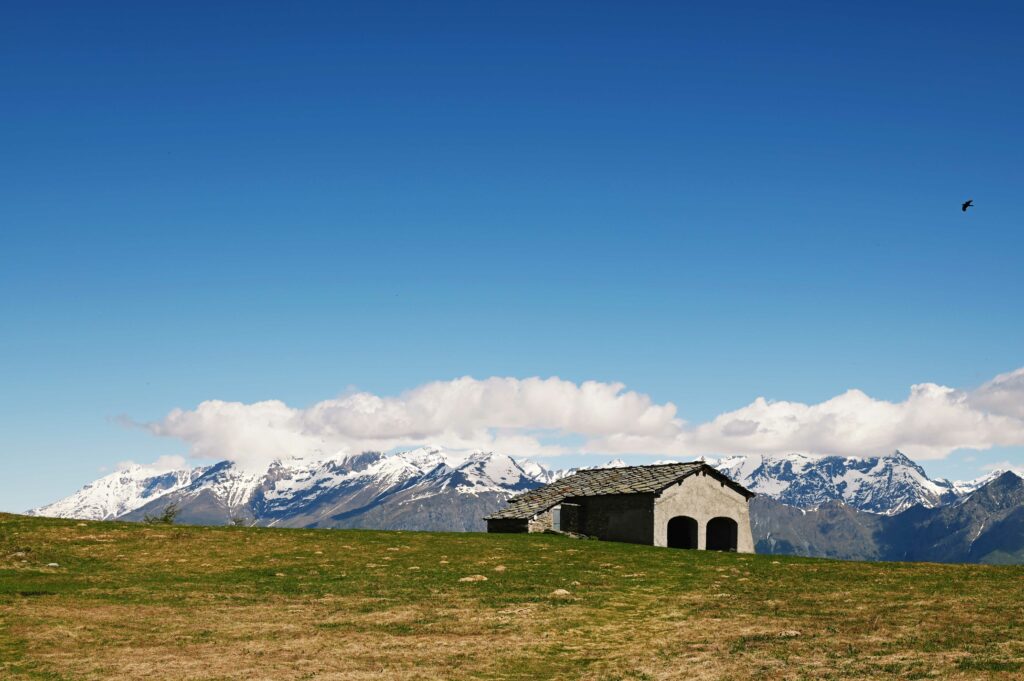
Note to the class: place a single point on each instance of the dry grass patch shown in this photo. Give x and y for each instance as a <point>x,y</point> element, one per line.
<point>248,603</point>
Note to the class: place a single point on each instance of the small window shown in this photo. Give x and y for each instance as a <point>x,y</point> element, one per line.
<point>556,518</point>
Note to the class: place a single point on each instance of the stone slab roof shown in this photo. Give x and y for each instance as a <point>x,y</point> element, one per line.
<point>600,481</point>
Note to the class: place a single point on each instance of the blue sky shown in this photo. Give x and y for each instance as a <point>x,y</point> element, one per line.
<point>708,204</point>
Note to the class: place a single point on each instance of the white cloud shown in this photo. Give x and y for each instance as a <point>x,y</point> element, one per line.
<point>1004,395</point>
<point>534,416</point>
<point>932,422</point>
<point>520,416</point>
<point>1004,465</point>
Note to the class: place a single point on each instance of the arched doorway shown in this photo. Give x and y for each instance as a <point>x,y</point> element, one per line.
<point>682,532</point>
<point>722,534</point>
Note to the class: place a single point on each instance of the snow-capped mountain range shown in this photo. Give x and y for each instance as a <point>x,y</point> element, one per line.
<point>881,508</point>
<point>119,493</point>
<point>886,484</point>
<point>426,488</point>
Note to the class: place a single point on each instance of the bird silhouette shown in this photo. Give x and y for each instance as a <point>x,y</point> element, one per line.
<point>967,204</point>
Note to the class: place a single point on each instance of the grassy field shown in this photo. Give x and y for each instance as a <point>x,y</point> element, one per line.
<point>168,602</point>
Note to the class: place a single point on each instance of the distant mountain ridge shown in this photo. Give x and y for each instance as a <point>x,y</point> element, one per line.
<point>880,508</point>
<point>884,484</point>
<point>121,492</point>
<point>425,488</point>
<point>985,525</point>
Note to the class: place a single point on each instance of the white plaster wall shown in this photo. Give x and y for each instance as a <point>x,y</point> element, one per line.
<point>702,498</point>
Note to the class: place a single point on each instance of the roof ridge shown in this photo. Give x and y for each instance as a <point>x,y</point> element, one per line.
<point>641,465</point>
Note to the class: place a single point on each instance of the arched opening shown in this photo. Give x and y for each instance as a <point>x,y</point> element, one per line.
<point>722,534</point>
<point>682,532</point>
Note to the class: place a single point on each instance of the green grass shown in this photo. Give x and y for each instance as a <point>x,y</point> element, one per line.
<point>170,602</point>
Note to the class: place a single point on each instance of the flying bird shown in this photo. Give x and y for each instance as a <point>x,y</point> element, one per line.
<point>969,203</point>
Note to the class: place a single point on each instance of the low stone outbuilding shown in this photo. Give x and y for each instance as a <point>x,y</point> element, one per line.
<point>679,505</point>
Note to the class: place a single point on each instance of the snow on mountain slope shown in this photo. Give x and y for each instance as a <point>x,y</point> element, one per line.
<point>229,484</point>
<point>490,472</point>
<point>885,484</point>
<point>304,486</point>
<point>541,473</point>
<point>423,489</point>
<point>118,493</point>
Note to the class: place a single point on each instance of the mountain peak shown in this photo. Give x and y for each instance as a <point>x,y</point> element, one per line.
<point>1007,477</point>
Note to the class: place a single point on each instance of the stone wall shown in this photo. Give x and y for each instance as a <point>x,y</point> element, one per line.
<point>539,523</point>
<point>571,518</point>
<point>616,517</point>
<point>702,498</point>
<point>542,521</point>
<point>507,525</point>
